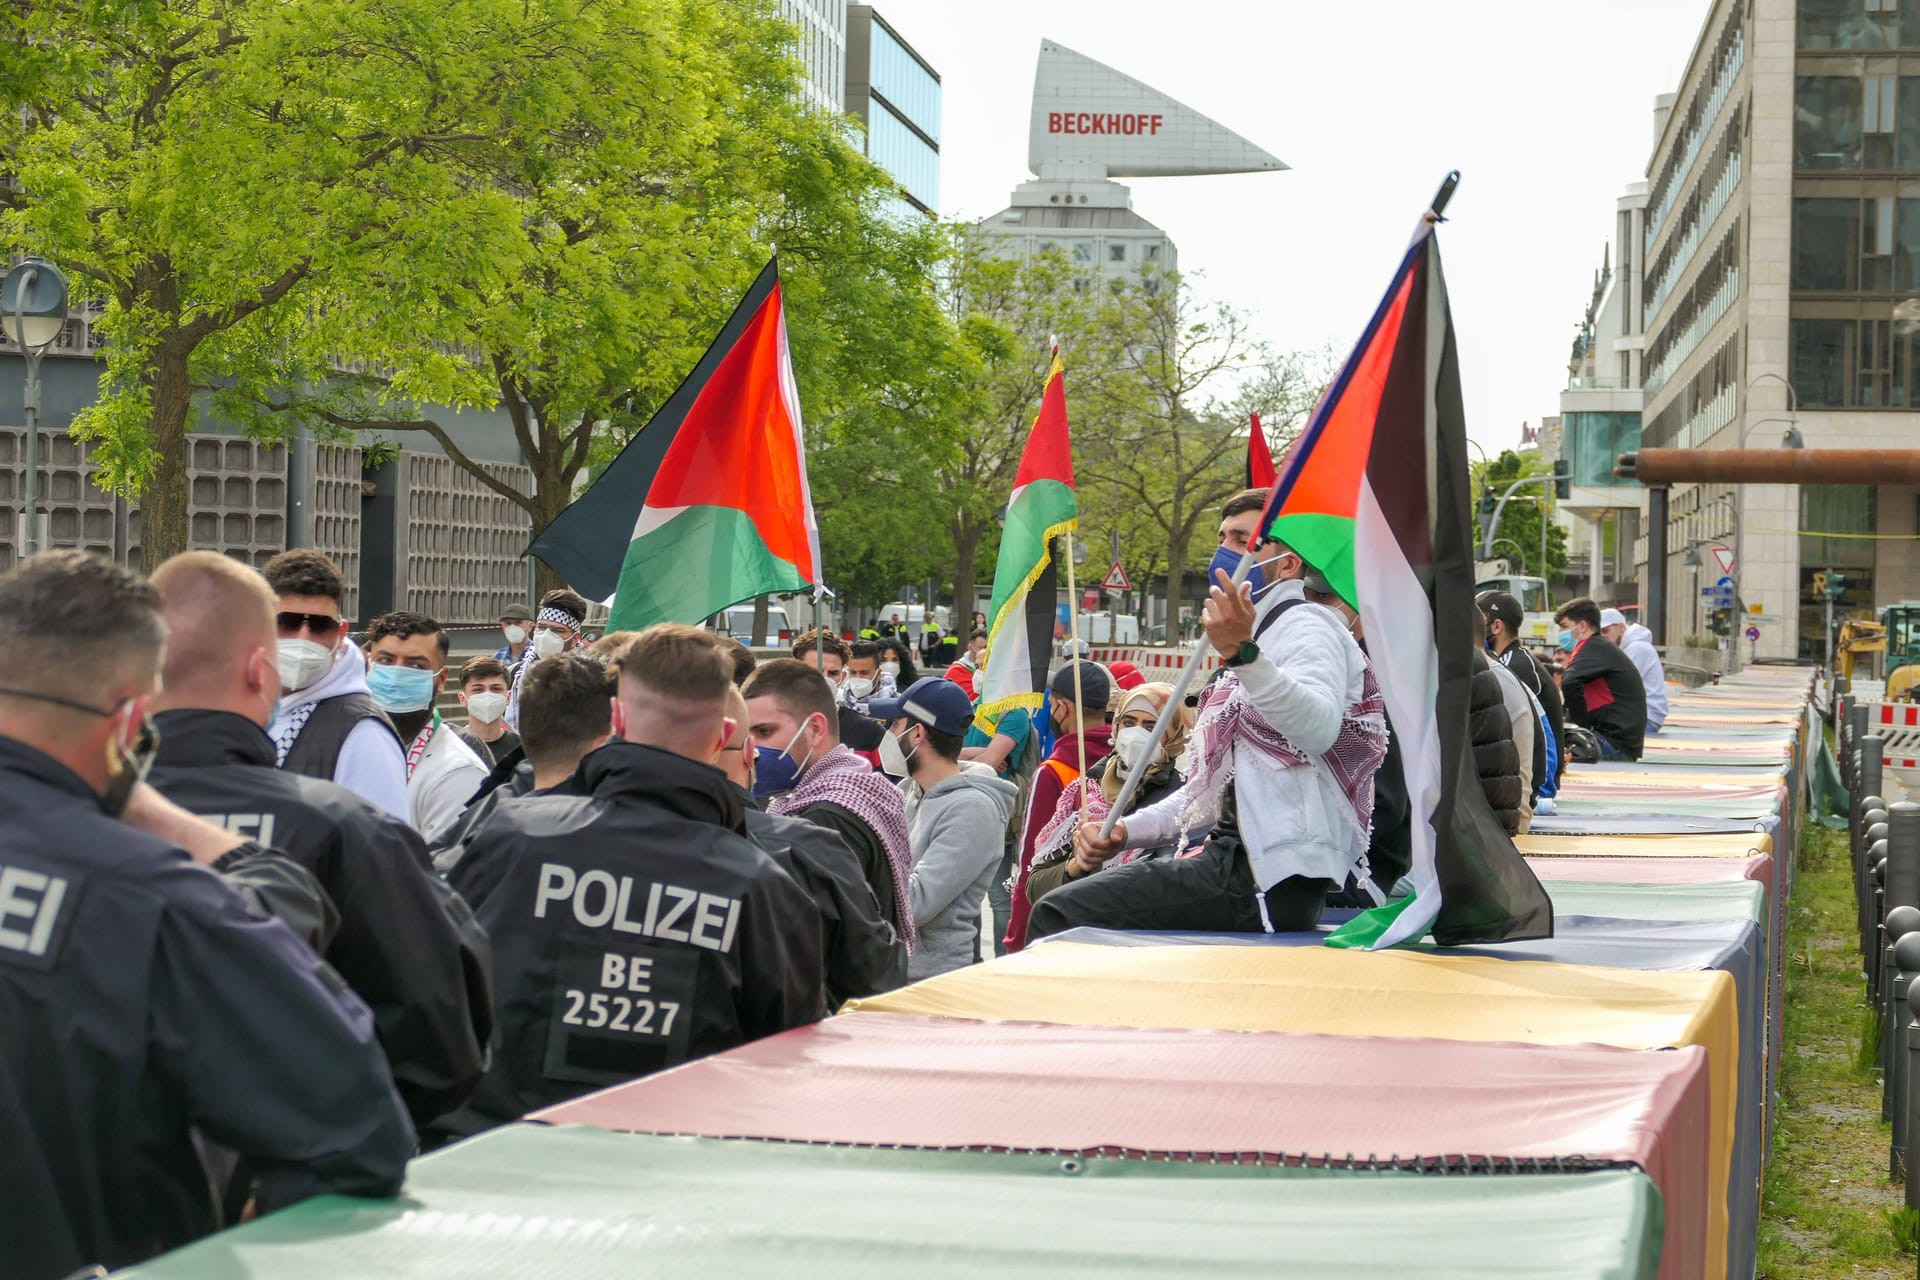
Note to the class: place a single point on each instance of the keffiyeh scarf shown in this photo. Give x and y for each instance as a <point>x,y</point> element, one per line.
<point>842,778</point>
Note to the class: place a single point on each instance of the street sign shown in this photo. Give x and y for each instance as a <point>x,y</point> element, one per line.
<point>1756,608</point>
<point>1753,633</point>
<point>1117,579</point>
<point>1725,581</point>
<point>1724,557</point>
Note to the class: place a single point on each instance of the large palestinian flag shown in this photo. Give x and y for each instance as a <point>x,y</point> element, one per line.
<point>1020,620</point>
<point>708,505</point>
<point>1375,495</point>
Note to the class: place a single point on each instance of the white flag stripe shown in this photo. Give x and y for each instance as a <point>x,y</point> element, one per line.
<point>1399,629</point>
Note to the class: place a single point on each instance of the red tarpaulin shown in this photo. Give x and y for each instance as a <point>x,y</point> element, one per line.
<point>1653,870</point>
<point>936,1082</point>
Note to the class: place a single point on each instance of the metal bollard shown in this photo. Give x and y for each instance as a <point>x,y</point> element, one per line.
<point>1872,757</point>
<point>1910,1101</point>
<point>1903,855</point>
<point>1874,867</point>
<point>1901,921</point>
<point>1872,936</point>
<point>1842,726</point>
<point>1899,1080</point>
<point>1856,730</point>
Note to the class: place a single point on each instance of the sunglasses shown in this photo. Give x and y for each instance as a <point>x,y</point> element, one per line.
<point>318,625</point>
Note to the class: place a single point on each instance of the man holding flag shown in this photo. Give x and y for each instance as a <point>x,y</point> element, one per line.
<point>1282,756</point>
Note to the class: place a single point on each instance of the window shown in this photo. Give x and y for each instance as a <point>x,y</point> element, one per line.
<point>1592,444</point>
<point>1819,363</point>
<point>1826,122</point>
<point>1082,251</point>
<point>1116,253</point>
<point>1876,244</point>
<point>1906,247</point>
<point>1854,24</point>
<point>1826,245</point>
<point>1153,253</point>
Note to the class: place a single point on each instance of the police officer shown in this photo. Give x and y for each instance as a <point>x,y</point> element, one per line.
<point>407,943</point>
<point>634,925</point>
<point>145,1005</point>
<point>864,955</point>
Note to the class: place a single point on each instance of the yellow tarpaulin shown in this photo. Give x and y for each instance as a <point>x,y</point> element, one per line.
<point>1732,844</point>
<point>1361,993</point>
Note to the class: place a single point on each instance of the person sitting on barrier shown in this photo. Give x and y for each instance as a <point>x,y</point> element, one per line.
<point>1055,861</point>
<point>1504,620</point>
<point>1636,642</point>
<point>1601,686</point>
<point>1281,767</point>
<point>1081,734</point>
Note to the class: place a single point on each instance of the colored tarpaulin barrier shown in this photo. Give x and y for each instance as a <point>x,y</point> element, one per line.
<point>892,1079</point>
<point>1732,844</point>
<point>1357,993</point>
<point>529,1201</point>
<point>1650,824</point>
<point>1609,868</point>
<point>1580,802</point>
<point>1725,900</point>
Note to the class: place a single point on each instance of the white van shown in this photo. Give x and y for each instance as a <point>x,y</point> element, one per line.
<point>912,616</point>
<point>738,623</point>
<point>1108,628</point>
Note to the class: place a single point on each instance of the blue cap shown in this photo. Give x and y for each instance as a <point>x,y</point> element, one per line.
<point>939,704</point>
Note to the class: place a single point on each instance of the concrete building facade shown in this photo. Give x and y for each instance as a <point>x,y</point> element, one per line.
<point>821,44</point>
<point>895,93</point>
<point>1782,252</point>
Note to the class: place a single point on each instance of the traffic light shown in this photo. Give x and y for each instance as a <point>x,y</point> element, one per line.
<point>1562,481</point>
<point>1486,501</point>
<point>1720,622</point>
<point>1836,585</point>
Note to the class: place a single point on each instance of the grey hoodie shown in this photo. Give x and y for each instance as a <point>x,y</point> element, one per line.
<point>958,831</point>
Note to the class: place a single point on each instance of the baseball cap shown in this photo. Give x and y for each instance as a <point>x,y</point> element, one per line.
<point>516,612</point>
<point>1612,618</point>
<point>1126,675</point>
<point>939,704</point>
<point>1096,686</point>
<point>1503,607</point>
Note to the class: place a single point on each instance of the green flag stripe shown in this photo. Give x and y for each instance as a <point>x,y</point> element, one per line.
<point>1326,543</point>
<point>695,565</point>
<point>1043,510</point>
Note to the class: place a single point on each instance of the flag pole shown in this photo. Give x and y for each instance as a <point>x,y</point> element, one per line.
<point>1177,699</point>
<point>1073,647</point>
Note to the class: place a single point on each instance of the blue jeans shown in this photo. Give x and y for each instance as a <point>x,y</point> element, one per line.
<point>1607,750</point>
<point>1653,729</point>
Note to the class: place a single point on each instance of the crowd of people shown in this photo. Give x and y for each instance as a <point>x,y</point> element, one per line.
<point>271,922</point>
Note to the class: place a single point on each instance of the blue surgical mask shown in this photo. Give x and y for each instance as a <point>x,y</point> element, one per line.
<point>400,689</point>
<point>1226,558</point>
<point>1566,642</point>
<point>775,771</point>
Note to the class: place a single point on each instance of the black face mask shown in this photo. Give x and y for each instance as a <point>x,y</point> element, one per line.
<point>127,767</point>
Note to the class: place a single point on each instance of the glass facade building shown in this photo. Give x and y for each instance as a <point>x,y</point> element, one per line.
<point>895,93</point>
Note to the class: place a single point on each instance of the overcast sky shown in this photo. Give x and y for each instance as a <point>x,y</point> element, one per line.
<point>1546,108</point>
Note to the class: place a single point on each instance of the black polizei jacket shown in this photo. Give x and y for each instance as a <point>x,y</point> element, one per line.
<point>864,955</point>
<point>635,927</point>
<point>406,943</point>
<point>147,1010</point>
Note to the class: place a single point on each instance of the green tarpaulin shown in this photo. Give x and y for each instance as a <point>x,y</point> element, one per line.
<point>527,1202</point>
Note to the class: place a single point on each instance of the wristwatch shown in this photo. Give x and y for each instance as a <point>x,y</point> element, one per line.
<point>1247,652</point>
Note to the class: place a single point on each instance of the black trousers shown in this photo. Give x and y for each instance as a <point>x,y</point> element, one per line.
<point>1213,892</point>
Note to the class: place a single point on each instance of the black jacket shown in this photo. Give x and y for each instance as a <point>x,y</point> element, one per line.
<point>1537,680</point>
<point>1604,692</point>
<point>406,944</point>
<point>1495,757</point>
<point>635,927</point>
<point>864,955</point>
<point>875,865</point>
<point>143,1004</point>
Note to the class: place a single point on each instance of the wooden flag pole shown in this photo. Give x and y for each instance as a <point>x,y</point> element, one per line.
<point>1073,647</point>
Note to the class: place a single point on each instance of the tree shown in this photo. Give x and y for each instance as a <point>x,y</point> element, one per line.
<point>680,155</point>
<point>1520,522</point>
<point>215,174</point>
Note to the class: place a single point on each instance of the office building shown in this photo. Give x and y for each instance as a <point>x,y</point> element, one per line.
<point>1090,125</point>
<point>1782,264</point>
<point>895,93</point>
<point>821,44</point>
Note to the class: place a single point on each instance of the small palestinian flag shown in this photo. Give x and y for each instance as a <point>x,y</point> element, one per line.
<point>708,505</point>
<point>1375,495</point>
<point>1020,620</point>
<point>1260,469</point>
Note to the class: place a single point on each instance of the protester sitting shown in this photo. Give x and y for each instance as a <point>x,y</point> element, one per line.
<point>1636,642</point>
<point>804,771</point>
<point>483,692</point>
<point>863,954</point>
<point>1601,686</point>
<point>148,1009</point>
<point>1081,734</point>
<point>1287,745</point>
<point>1504,620</point>
<point>635,926</point>
<point>1054,860</point>
<point>955,823</point>
<point>327,725</point>
<point>406,944</point>
<point>1496,756</point>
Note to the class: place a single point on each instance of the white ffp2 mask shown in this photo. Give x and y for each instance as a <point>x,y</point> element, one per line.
<point>487,708</point>
<point>302,663</point>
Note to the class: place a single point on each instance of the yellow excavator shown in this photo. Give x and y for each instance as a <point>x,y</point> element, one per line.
<point>1897,635</point>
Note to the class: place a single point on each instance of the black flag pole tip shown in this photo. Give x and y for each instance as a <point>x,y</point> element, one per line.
<point>1438,209</point>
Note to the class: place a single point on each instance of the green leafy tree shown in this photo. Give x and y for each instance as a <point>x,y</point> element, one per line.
<point>1520,522</point>
<point>215,175</point>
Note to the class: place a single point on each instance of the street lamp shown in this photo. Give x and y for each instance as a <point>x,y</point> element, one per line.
<point>33,310</point>
<point>1789,439</point>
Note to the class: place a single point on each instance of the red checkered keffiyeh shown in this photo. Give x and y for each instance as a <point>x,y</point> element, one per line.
<point>1227,715</point>
<point>843,778</point>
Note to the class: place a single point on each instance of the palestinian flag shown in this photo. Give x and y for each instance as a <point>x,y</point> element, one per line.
<point>1020,621</point>
<point>1260,469</point>
<point>708,505</point>
<point>1376,496</point>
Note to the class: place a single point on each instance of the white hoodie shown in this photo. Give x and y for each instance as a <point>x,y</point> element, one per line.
<point>1637,644</point>
<point>371,763</point>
